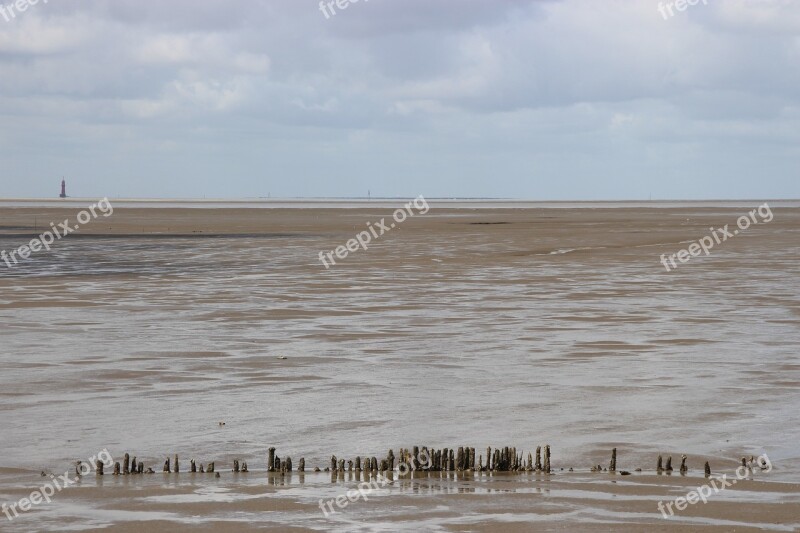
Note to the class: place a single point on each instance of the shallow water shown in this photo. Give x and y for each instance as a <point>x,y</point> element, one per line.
<point>431,337</point>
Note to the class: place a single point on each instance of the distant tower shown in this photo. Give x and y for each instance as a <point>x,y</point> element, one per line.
<point>63,189</point>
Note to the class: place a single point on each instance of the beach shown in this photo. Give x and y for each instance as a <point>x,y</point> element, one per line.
<point>475,324</point>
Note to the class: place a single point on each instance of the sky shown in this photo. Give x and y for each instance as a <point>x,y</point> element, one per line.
<point>528,99</point>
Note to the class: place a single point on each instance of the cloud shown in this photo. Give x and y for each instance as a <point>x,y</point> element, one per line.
<point>468,98</point>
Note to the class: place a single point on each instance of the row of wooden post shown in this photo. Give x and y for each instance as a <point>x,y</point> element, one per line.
<point>429,460</point>
<point>131,467</point>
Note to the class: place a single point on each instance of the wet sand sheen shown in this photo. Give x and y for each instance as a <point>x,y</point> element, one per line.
<point>518,326</point>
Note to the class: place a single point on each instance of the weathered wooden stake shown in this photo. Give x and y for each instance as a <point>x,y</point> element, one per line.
<point>99,467</point>
<point>244,467</point>
<point>271,460</point>
<point>301,466</point>
<point>708,469</point>
<point>669,464</point>
<point>177,466</point>
<point>659,465</point>
<point>684,468</point>
<point>613,466</point>
<point>547,459</point>
<point>333,463</point>
<point>236,465</point>
<point>125,463</point>
<point>538,458</point>
<point>116,469</point>
<point>133,465</point>
<point>141,467</point>
<point>166,466</point>
<point>192,466</point>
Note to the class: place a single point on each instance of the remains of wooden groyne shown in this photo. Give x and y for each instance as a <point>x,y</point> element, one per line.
<point>507,459</point>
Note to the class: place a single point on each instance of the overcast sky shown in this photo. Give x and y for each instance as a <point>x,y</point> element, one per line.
<point>578,99</point>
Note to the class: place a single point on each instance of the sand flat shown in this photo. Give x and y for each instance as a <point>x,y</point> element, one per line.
<point>484,327</point>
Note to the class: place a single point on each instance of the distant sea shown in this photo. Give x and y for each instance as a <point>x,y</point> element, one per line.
<point>361,203</point>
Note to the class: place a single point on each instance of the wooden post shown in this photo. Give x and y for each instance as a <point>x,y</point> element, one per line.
<point>547,459</point>
<point>116,468</point>
<point>374,464</point>
<point>390,459</point>
<point>669,464</point>
<point>202,469</point>
<point>538,458</point>
<point>141,467</point>
<point>659,465</point>
<point>192,466</point>
<point>271,460</point>
<point>341,465</point>
<point>288,464</point>
<point>177,467</point>
<point>530,462</point>
<point>236,465</point>
<point>166,466</point>
<point>684,468</point>
<point>613,466</point>
<point>333,463</point>
<point>99,467</point>
<point>301,466</point>
<point>358,463</point>
<point>211,467</point>
<point>450,461</point>
<point>472,458</point>
<point>133,465</point>
<point>460,459</point>
<point>708,469</point>
<point>125,463</point>
<point>244,467</point>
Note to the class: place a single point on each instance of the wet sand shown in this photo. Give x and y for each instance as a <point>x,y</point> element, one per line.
<point>470,326</point>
